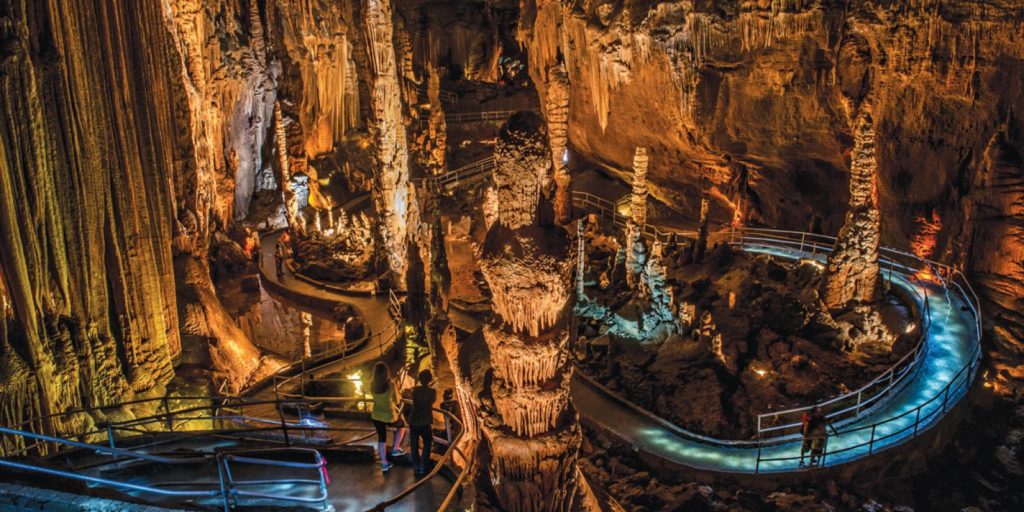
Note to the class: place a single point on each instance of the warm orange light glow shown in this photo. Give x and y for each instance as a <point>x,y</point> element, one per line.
<point>923,242</point>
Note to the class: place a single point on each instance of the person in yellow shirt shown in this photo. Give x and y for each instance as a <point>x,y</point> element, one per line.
<point>386,413</point>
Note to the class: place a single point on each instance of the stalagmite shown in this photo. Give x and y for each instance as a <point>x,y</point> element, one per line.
<point>701,244</point>
<point>556,109</point>
<point>390,181</point>
<point>529,423</point>
<point>637,219</point>
<point>852,273</point>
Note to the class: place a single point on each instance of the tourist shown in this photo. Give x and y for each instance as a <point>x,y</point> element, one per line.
<point>815,433</point>
<point>421,420</point>
<point>451,406</point>
<point>280,252</point>
<point>386,414</point>
<point>807,421</point>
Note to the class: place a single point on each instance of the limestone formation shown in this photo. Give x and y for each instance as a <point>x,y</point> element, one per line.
<point>528,422</point>
<point>390,181</point>
<point>522,157</point>
<point>556,110</point>
<point>637,218</point>
<point>437,130</point>
<point>852,271</point>
<point>700,246</point>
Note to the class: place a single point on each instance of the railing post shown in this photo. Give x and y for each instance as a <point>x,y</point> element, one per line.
<point>110,435</point>
<point>871,444</point>
<point>859,396</point>
<point>284,424</point>
<point>802,237</point>
<point>945,397</point>
<point>757,464</point>
<point>917,420</point>
<point>220,476</point>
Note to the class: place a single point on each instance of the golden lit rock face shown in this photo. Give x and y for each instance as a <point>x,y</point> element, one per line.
<point>521,155</point>
<point>556,110</point>
<point>87,295</point>
<point>853,264</point>
<point>391,178</point>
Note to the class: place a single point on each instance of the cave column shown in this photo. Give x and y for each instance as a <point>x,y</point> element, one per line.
<point>391,180</point>
<point>852,273</point>
<point>637,219</point>
<point>556,109</point>
<point>437,129</point>
<point>530,427</point>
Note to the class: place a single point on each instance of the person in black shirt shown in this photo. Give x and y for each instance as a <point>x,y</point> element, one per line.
<point>421,419</point>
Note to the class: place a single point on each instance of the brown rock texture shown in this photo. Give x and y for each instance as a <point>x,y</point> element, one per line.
<point>556,111</point>
<point>88,306</point>
<point>522,169</point>
<point>531,435</point>
<point>852,271</point>
<point>391,178</point>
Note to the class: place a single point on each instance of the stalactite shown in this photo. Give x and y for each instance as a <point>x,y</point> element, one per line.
<point>390,181</point>
<point>852,273</point>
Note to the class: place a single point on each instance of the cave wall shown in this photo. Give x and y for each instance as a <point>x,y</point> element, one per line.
<point>757,98</point>
<point>86,204</point>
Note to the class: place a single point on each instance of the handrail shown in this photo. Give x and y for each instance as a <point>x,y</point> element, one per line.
<point>487,115</point>
<point>906,263</point>
<point>228,483</point>
<point>454,178</point>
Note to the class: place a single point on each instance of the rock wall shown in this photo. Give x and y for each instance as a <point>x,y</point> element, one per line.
<point>88,297</point>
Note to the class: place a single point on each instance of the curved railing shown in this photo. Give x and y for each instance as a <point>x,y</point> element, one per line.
<point>487,115</point>
<point>201,417</point>
<point>893,380</point>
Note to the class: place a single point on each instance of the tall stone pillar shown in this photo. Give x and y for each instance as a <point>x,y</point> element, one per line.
<point>556,109</point>
<point>853,265</point>
<point>391,179</point>
<point>437,129</point>
<point>531,433</point>
<point>638,218</point>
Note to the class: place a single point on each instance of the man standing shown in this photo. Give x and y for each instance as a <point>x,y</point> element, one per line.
<point>421,420</point>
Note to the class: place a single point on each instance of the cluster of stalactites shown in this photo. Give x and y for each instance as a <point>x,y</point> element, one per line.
<point>525,362</point>
<point>528,294</point>
<point>852,273</point>
<point>532,411</point>
<point>515,464</point>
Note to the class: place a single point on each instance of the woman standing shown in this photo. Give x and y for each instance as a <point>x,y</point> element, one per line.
<point>385,413</point>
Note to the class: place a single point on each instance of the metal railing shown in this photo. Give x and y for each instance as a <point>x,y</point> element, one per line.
<point>447,97</point>
<point>220,416</point>
<point>456,177</point>
<point>488,115</point>
<point>866,399</point>
<point>606,209</point>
